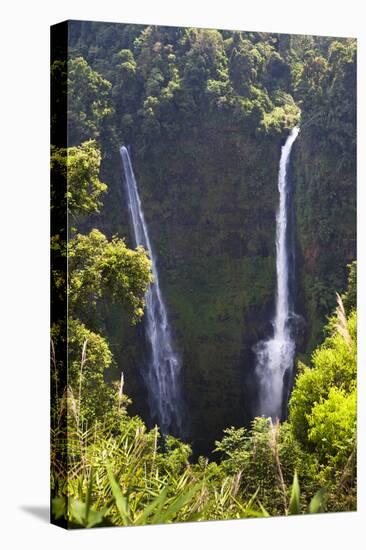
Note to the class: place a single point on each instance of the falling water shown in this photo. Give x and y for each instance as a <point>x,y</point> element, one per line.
<point>275,357</point>
<point>162,373</point>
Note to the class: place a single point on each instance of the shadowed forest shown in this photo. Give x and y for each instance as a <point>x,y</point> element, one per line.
<point>202,116</point>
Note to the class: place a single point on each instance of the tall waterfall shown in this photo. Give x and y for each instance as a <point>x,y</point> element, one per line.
<point>275,357</point>
<point>162,373</point>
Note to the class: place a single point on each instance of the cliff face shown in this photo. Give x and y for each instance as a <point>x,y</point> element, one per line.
<point>325,203</point>
<point>209,201</point>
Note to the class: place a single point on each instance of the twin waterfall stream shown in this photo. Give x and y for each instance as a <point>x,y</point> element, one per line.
<point>162,373</point>
<point>274,357</point>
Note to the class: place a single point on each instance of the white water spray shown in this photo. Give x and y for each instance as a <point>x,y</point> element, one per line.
<point>275,357</point>
<point>162,373</point>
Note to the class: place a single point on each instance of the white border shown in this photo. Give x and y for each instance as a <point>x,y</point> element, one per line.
<point>24,287</point>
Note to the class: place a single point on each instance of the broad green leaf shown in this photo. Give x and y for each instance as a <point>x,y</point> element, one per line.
<point>264,511</point>
<point>178,504</point>
<point>318,502</point>
<point>59,507</point>
<point>157,503</point>
<point>294,507</point>
<point>77,510</point>
<point>121,501</point>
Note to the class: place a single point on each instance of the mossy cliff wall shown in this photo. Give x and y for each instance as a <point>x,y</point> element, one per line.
<point>209,200</point>
<point>325,211</point>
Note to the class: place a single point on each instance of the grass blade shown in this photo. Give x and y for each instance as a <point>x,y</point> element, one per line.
<point>120,500</point>
<point>158,503</point>
<point>178,504</point>
<point>318,502</point>
<point>88,495</point>
<point>294,507</point>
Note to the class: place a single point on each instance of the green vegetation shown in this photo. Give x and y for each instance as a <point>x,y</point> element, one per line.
<point>120,473</point>
<point>97,268</point>
<point>88,95</point>
<point>80,165</point>
<point>205,112</point>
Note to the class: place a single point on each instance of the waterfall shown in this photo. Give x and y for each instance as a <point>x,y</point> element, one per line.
<point>275,357</point>
<point>161,376</point>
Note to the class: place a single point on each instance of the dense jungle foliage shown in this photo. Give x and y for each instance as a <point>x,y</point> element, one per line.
<point>205,113</point>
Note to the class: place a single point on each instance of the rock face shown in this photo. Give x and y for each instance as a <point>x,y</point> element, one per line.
<point>210,201</point>
<point>211,214</point>
<point>325,202</point>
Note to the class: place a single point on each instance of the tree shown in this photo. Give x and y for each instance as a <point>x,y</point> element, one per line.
<point>77,170</point>
<point>284,115</point>
<point>323,410</point>
<point>98,267</point>
<point>332,426</point>
<point>95,268</point>
<point>310,84</point>
<point>350,296</point>
<point>89,102</point>
<point>333,365</point>
<point>277,73</point>
<point>244,67</point>
<point>266,457</point>
<point>205,60</point>
<point>89,357</point>
<point>127,89</point>
<point>341,117</point>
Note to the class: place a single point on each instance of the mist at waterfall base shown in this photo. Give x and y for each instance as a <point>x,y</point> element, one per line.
<point>275,356</point>
<point>161,374</point>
